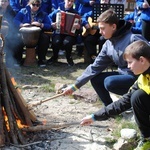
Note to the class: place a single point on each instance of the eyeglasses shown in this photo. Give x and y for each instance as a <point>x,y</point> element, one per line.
<point>37,5</point>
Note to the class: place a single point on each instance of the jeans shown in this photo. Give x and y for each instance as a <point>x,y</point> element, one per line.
<point>113,82</point>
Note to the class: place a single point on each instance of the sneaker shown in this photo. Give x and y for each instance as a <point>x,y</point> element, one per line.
<point>70,62</point>
<point>51,60</point>
<point>144,144</point>
<point>129,111</point>
<point>41,63</point>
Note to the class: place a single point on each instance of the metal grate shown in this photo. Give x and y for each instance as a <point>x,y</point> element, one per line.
<point>100,8</point>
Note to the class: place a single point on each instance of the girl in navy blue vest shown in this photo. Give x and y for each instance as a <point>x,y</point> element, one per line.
<point>32,15</point>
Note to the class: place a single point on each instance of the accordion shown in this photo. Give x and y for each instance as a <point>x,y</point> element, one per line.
<point>65,22</point>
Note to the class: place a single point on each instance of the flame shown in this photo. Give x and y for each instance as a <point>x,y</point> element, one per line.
<point>6,119</point>
<point>44,122</point>
<point>19,123</point>
<point>15,83</point>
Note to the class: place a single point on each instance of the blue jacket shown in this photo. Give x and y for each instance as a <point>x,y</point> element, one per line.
<point>111,52</point>
<point>17,5</point>
<point>136,17</point>
<point>52,16</point>
<point>24,16</point>
<point>145,15</point>
<point>83,6</point>
<point>85,17</point>
<point>46,6</point>
<point>55,3</point>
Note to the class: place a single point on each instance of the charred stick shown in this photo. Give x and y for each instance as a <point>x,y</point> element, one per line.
<point>2,136</point>
<point>16,110</point>
<point>19,100</point>
<point>49,126</point>
<point>6,97</point>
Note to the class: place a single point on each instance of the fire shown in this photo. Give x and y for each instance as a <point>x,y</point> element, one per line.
<point>19,124</point>
<point>6,119</point>
<point>44,122</point>
<point>15,83</point>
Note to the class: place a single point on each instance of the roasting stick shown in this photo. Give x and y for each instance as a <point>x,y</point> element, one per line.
<point>45,100</point>
<point>49,126</point>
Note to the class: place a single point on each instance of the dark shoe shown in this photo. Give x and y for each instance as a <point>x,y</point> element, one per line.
<point>129,111</point>
<point>41,63</point>
<point>144,144</point>
<point>70,62</point>
<point>51,60</point>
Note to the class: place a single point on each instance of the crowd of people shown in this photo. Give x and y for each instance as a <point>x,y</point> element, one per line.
<point>42,13</point>
<point>123,42</point>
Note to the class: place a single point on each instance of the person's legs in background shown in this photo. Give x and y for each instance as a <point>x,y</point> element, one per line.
<point>68,42</point>
<point>14,50</point>
<point>57,42</point>
<point>42,48</point>
<point>146,29</point>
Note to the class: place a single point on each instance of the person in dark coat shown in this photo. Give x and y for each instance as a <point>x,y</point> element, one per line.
<point>137,56</point>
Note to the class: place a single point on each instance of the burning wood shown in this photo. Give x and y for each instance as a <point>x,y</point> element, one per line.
<point>14,114</point>
<point>49,126</point>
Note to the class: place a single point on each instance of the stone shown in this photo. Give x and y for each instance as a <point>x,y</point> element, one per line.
<point>128,133</point>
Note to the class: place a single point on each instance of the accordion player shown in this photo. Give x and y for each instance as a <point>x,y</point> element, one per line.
<point>65,23</point>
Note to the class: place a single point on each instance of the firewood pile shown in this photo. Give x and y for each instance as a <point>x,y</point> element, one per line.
<point>14,114</point>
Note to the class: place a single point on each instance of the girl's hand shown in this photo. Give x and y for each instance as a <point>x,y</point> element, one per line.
<point>36,24</point>
<point>25,25</point>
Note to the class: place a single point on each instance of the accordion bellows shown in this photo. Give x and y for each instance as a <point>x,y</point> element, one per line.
<point>65,22</point>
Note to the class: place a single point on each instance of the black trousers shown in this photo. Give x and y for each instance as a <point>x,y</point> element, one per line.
<point>146,29</point>
<point>62,41</point>
<point>13,48</point>
<point>42,46</point>
<point>91,41</point>
<point>140,101</point>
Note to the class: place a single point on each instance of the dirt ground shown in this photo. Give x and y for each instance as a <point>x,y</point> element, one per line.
<point>38,84</point>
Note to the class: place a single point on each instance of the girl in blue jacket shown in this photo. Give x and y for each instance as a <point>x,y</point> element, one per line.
<point>17,5</point>
<point>32,15</point>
